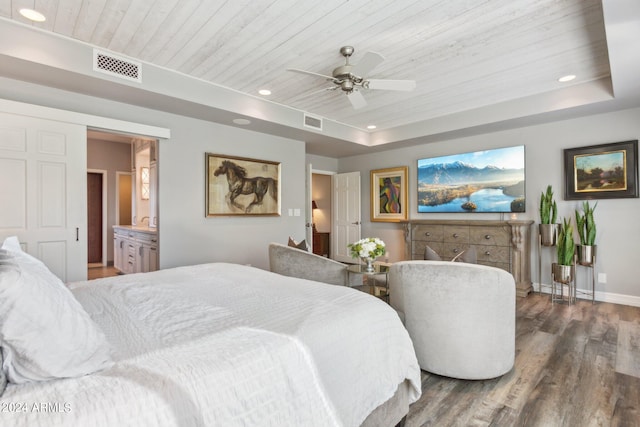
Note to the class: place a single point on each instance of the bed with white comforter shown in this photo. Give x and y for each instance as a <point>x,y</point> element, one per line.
<point>226,345</point>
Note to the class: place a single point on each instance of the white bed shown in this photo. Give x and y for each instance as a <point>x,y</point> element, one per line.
<point>228,345</point>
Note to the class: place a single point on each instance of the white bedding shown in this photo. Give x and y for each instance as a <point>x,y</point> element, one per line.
<point>227,345</point>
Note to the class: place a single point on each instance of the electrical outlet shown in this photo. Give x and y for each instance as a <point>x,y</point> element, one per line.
<point>602,278</point>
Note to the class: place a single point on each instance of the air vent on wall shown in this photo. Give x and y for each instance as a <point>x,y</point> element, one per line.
<point>117,66</point>
<point>312,122</point>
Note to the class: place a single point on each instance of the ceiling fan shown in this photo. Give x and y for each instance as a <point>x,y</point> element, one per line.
<point>352,78</point>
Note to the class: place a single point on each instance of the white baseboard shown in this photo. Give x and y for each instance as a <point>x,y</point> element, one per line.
<point>600,296</point>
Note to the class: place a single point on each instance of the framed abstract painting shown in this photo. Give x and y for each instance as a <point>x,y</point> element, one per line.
<point>389,194</point>
<point>605,171</point>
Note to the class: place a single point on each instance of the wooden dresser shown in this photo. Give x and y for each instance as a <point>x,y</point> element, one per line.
<point>321,243</point>
<point>502,244</point>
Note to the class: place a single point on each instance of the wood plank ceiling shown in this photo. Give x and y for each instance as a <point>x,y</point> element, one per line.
<point>463,54</point>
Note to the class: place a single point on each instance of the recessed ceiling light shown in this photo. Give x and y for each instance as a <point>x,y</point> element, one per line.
<point>241,121</point>
<point>567,78</point>
<point>264,92</point>
<point>372,127</point>
<point>32,15</point>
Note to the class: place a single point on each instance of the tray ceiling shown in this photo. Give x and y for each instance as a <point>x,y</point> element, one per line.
<point>464,55</point>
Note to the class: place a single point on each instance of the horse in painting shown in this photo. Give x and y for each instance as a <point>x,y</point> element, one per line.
<point>239,184</point>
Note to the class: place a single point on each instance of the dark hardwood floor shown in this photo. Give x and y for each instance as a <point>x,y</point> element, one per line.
<point>575,365</point>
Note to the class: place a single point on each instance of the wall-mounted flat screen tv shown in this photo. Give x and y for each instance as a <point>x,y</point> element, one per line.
<point>480,181</point>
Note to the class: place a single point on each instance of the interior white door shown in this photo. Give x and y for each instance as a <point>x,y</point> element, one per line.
<point>346,214</point>
<point>43,191</point>
<point>308,211</point>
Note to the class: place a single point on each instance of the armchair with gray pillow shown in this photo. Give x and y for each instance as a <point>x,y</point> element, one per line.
<point>290,261</point>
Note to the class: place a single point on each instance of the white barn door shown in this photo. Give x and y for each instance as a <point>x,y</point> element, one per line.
<point>43,191</point>
<point>346,214</point>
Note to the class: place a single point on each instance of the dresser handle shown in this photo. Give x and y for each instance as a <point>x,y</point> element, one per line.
<point>487,236</point>
<point>455,251</point>
<point>427,234</point>
<point>487,253</point>
<point>455,235</point>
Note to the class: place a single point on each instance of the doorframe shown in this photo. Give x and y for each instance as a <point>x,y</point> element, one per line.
<point>104,214</point>
<point>309,197</point>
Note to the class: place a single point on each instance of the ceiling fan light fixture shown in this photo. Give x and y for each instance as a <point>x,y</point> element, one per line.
<point>372,127</point>
<point>351,79</point>
<point>32,15</point>
<point>347,85</point>
<point>264,92</point>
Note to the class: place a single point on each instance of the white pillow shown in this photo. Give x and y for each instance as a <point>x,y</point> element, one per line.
<point>13,244</point>
<point>44,331</point>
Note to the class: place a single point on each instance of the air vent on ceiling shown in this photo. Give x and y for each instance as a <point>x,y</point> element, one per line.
<point>117,66</point>
<point>312,122</point>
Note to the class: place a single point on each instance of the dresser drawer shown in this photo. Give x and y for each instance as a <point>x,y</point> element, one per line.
<point>430,233</point>
<point>450,250</point>
<point>494,236</point>
<point>456,233</point>
<point>495,254</point>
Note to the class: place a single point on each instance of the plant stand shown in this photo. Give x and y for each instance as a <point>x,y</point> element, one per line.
<point>540,246</point>
<point>560,282</point>
<point>592,270</point>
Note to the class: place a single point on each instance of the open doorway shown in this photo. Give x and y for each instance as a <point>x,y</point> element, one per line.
<point>96,225</point>
<point>109,155</point>
<point>321,213</point>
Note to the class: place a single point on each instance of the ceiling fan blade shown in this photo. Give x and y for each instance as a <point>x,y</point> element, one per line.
<point>356,99</point>
<point>368,62</point>
<point>310,73</point>
<point>384,84</point>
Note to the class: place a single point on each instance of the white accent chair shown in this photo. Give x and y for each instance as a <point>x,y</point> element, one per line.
<point>461,317</point>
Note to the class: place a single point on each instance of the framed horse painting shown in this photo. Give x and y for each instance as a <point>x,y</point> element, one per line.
<point>241,186</point>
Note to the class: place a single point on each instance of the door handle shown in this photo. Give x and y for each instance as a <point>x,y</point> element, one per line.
<point>356,223</point>
<point>77,234</point>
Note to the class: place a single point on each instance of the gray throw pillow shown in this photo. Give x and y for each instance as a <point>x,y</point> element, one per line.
<point>302,245</point>
<point>469,256</point>
<point>431,255</point>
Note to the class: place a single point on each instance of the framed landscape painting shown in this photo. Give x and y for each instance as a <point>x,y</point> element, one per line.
<point>605,171</point>
<point>241,186</point>
<point>474,182</point>
<point>389,194</point>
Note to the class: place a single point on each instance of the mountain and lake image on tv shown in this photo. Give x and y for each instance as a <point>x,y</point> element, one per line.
<point>480,181</point>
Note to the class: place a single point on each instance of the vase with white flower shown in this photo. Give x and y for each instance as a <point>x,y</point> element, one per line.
<point>367,250</point>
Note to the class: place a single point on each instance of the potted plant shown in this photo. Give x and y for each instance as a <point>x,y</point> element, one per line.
<point>563,270</point>
<point>587,231</point>
<point>548,228</point>
<point>367,249</point>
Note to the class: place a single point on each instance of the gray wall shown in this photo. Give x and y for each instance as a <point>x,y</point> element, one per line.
<point>186,236</point>
<point>617,219</point>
